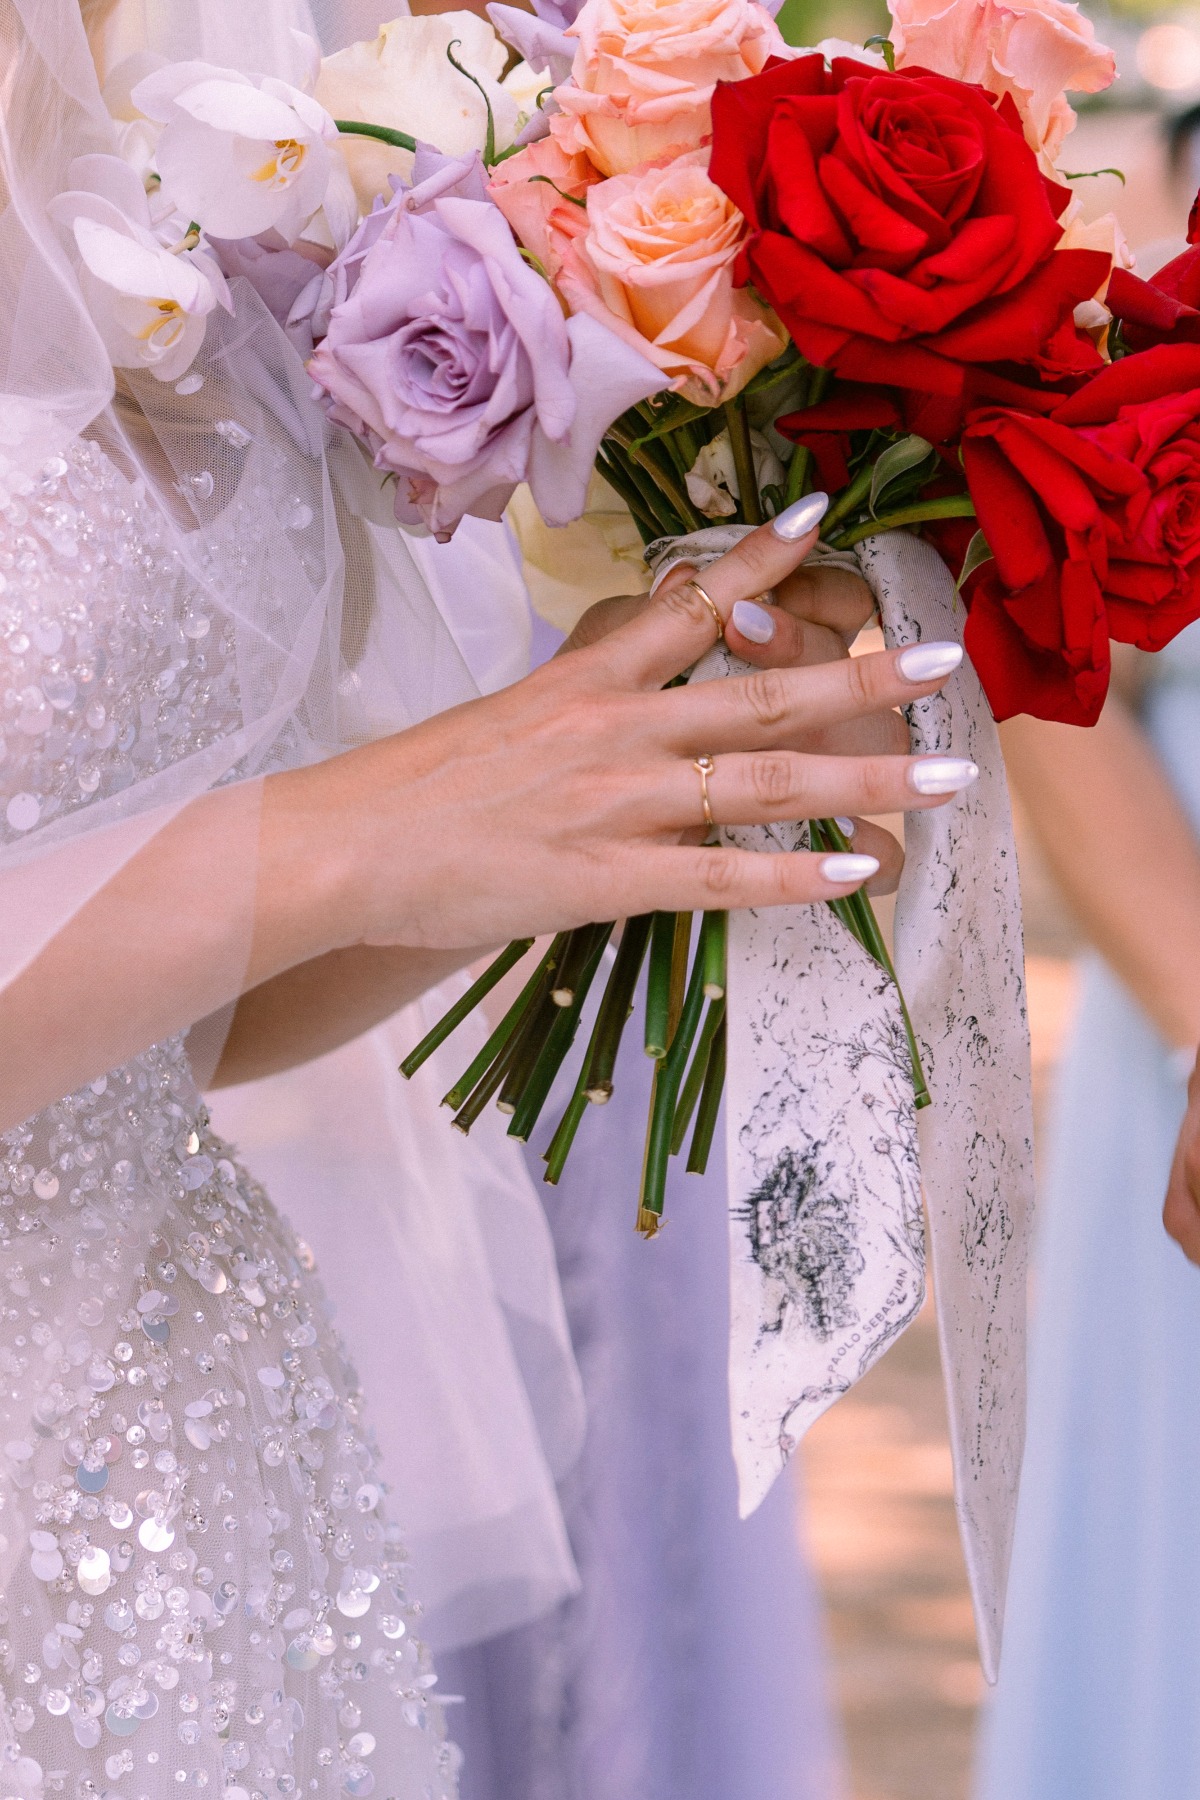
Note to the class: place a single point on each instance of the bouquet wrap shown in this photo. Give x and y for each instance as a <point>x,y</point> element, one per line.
<point>827,1156</point>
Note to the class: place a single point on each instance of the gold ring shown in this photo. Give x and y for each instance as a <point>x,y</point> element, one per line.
<point>711,604</point>
<point>704,766</point>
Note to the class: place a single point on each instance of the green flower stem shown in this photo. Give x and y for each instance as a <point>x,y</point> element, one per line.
<point>622,483</point>
<point>483,1090</point>
<point>738,427</point>
<point>615,1009</point>
<point>639,474</point>
<point>797,475</point>
<point>950,506</point>
<point>451,1020</point>
<point>710,1104</point>
<point>658,985</point>
<point>668,1078</point>
<point>675,492</point>
<point>498,1040</point>
<point>560,1144</point>
<point>575,961</point>
<point>557,1044</point>
<point>872,939</point>
<point>714,942</point>
<point>859,918</point>
<point>538,1024</point>
<point>399,140</point>
<point>848,501</point>
<point>681,944</point>
<point>697,1074</point>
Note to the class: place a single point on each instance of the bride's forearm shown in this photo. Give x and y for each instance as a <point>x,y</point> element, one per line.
<point>236,888</point>
<point>321,1004</point>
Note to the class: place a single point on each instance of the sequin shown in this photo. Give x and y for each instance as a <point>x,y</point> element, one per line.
<point>233,433</point>
<point>23,811</point>
<point>191,1469</point>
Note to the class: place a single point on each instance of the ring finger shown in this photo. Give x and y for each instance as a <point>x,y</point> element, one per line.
<point>776,786</point>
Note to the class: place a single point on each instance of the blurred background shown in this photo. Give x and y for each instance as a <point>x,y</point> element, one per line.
<point>877,1511</point>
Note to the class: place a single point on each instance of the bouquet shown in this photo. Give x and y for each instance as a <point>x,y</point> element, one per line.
<point>657,246</point>
<point>852,268</point>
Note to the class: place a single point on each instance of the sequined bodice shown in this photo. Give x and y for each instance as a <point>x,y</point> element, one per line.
<point>201,1591</point>
<point>113,665</point>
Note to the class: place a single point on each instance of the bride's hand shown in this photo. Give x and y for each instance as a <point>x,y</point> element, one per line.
<point>574,795</point>
<point>817,612</point>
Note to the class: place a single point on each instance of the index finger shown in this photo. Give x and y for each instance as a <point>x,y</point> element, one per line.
<point>677,627</point>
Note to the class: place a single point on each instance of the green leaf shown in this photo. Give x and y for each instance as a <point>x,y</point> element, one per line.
<point>779,370</point>
<point>897,460</point>
<point>884,44</point>
<point>978,552</point>
<point>676,413</point>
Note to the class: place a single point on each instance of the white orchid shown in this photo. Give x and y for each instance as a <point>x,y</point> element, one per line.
<point>149,300</point>
<point>404,79</point>
<point>240,155</point>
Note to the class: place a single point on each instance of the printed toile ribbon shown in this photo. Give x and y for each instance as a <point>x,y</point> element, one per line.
<point>826,1154</point>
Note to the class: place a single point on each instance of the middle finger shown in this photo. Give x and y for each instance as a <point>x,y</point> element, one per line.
<point>769,708</point>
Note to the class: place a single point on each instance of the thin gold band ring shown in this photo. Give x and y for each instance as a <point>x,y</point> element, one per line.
<point>711,604</point>
<point>704,766</point>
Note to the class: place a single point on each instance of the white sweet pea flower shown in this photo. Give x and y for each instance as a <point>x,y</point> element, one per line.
<point>712,482</point>
<point>148,300</point>
<point>404,79</point>
<point>239,155</point>
<point>525,85</point>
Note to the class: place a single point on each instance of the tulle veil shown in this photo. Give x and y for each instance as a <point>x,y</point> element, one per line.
<point>341,628</point>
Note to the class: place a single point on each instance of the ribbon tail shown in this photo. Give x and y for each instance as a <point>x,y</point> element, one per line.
<point>960,962</point>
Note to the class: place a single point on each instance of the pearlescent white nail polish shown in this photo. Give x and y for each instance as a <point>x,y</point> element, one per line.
<point>847,827</point>
<point>844,868</point>
<point>800,518</point>
<point>753,621</point>
<point>941,775</point>
<point>929,662</point>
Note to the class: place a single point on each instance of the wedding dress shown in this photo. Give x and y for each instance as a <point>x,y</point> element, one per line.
<point>1097,1691</point>
<point>202,1585</point>
<point>204,1589</point>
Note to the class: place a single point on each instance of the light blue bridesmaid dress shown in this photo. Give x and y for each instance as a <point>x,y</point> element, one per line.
<point>692,1664</point>
<point>1099,1692</point>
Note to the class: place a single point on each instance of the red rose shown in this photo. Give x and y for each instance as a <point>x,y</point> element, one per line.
<point>1092,514</point>
<point>899,223</point>
<point>1165,309</point>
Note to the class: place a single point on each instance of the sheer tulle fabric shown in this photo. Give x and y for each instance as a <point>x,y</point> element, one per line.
<point>198,586</point>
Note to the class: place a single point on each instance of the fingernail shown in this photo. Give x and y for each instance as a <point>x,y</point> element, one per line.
<point>754,622</point>
<point>800,518</point>
<point>845,868</point>
<point>941,775</point>
<point>847,827</point>
<point>929,662</point>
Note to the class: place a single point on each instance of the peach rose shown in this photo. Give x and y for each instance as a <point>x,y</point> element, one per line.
<point>656,266</point>
<point>644,74</point>
<point>1031,49</point>
<point>540,192</point>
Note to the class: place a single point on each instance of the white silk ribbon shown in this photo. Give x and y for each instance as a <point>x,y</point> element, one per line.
<point>827,1156</point>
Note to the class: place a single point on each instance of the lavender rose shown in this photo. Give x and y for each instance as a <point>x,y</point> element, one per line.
<point>540,37</point>
<point>452,359</point>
